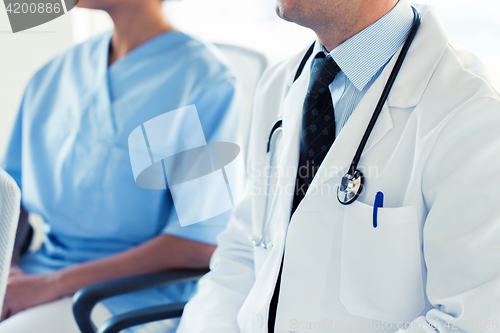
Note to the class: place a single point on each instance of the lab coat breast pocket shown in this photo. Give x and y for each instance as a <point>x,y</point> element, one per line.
<point>381,272</point>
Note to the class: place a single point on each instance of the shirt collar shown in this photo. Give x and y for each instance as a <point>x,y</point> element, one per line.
<point>364,54</point>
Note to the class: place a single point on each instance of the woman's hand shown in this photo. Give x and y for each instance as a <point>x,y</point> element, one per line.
<point>163,252</point>
<point>25,291</point>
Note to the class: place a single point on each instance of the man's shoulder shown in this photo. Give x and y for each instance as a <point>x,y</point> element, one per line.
<point>472,67</point>
<point>462,78</point>
<point>459,94</point>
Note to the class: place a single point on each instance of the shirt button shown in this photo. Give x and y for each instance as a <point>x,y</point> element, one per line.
<point>259,321</point>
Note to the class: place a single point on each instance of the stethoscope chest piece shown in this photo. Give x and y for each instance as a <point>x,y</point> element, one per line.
<point>350,187</point>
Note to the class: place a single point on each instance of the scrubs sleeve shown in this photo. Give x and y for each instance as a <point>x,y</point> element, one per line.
<point>13,157</point>
<point>218,114</point>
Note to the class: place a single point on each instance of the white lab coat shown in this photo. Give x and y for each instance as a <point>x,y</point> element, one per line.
<point>435,255</point>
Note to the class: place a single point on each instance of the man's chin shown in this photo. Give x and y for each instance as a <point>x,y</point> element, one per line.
<point>281,12</point>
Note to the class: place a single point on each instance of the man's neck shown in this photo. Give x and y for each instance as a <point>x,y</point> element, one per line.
<point>135,26</point>
<point>336,33</point>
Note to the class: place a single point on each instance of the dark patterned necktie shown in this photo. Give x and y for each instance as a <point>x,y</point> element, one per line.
<point>316,138</point>
<point>318,124</point>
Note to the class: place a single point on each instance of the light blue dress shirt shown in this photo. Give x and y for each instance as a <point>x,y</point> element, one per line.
<point>363,57</point>
<point>68,151</point>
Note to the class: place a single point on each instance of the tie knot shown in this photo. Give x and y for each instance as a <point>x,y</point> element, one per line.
<point>323,72</point>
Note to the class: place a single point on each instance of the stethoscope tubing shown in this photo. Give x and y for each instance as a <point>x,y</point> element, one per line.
<point>277,125</point>
<point>268,212</point>
<point>386,92</point>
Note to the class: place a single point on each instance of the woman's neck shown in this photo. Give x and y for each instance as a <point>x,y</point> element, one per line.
<point>135,26</point>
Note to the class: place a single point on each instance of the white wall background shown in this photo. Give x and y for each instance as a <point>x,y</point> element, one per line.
<point>473,23</point>
<point>21,55</point>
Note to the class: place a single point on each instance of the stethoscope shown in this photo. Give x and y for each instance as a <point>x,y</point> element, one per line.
<point>271,148</point>
<point>352,182</point>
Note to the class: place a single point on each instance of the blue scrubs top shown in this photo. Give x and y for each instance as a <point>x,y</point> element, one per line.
<point>68,151</point>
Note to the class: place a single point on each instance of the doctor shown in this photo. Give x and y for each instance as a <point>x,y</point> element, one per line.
<point>429,260</point>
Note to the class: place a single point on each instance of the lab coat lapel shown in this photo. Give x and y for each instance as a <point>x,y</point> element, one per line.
<point>292,124</point>
<point>421,61</point>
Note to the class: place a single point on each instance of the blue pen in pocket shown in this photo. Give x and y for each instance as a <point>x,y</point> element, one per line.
<point>379,203</point>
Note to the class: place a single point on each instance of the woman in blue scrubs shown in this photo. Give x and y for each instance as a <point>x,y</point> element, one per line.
<point>68,153</point>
